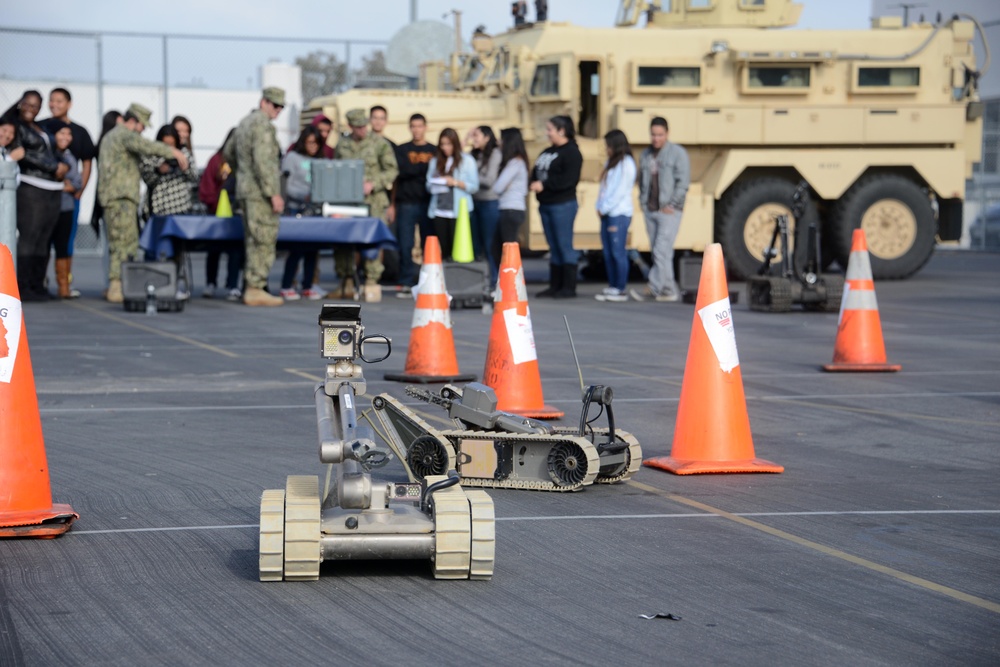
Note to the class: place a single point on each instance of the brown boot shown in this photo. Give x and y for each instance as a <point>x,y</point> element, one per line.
<point>254,296</point>
<point>64,279</point>
<point>114,293</point>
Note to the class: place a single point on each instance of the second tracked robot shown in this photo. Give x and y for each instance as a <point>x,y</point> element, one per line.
<point>498,449</point>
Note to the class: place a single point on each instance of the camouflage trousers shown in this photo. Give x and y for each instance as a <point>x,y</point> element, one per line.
<point>260,231</point>
<point>343,262</point>
<point>121,223</point>
<point>343,257</point>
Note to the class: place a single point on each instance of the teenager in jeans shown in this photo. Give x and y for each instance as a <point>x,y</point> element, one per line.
<point>614,205</point>
<point>297,164</point>
<point>484,216</point>
<point>410,199</point>
<point>664,177</point>
<point>554,180</point>
<point>451,177</point>
<point>511,187</point>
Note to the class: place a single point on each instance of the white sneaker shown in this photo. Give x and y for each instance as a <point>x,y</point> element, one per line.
<point>208,292</point>
<point>617,298</point>
<point>290,295</point>
<point>610,290</point>
<point>670,298</point>
<point>234,294</point>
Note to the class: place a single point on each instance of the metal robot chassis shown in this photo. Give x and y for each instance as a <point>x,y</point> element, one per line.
<point>357,517</point>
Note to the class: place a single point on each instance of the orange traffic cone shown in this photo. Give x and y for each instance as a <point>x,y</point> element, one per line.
<point>859,345</point>
<point>712,433</point>
<point>26,508</point>
<point>431,355</point>
<point>511,363</point>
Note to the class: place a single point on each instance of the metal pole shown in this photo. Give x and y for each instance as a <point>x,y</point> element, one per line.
<point>166,105</point>
<point>100,79</point>
<point>8,206</point>
<point>349,76</point>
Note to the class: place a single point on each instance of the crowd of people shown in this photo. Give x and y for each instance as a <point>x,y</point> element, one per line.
<point>418,189</point>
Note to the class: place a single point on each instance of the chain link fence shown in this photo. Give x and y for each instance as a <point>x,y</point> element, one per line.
<point>212,80</point>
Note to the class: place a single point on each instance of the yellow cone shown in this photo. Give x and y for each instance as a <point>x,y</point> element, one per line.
<point>224,209</point>
<point>461,249</point>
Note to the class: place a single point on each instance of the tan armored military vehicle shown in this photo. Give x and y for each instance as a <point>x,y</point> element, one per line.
<point>884,124</point>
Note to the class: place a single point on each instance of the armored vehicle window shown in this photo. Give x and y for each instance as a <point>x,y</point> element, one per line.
<point>700,4</point>
<point>771,77</point>
<point>886,77</point>
<point>648,77</point>
<point>546,81</point>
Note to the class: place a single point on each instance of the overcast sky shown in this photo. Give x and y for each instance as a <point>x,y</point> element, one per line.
<point>338,18</point>
<point>230,64</point>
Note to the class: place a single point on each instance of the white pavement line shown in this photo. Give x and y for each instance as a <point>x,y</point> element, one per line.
<point>178,408</point>
<point>168,529</point>
<point>581,517</point>
<point>789,397</point>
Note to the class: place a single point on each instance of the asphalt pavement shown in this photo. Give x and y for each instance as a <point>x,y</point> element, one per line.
<point>876,546</point>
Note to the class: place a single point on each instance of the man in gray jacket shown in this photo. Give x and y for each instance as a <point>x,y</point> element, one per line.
<point>664,176</point>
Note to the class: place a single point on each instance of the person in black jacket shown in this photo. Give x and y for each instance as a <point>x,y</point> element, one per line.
<point>38,196</point>
<point>554,180</point>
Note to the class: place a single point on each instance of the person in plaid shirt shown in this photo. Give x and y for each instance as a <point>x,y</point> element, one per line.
<point>169,186</point>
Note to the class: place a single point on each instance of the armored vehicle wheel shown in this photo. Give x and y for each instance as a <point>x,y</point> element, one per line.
<point>483,534</point>
<point>427,456</point>
<point>452,531</point>
<point>746,221</point>
<point>567,464</point>
<point>272,535</point>
<point>898,221</point>
<point>302,528</point>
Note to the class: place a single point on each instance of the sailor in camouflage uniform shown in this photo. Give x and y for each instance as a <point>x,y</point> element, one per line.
<point>380,173</point>
<point>122,149</point>
<point>254,154</point>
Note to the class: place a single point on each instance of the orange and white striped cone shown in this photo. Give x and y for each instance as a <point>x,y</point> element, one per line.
<point>26,507</point>
<point>431,354</point>
<point>712,432</point>
<point>859,345</point>
<point>511,362</point>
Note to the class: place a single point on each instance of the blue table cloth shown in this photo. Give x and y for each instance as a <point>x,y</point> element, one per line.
<point>194,230</point>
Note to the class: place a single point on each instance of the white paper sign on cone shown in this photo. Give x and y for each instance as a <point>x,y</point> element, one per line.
<point>520,336</point>
<point>717,318</point>
<point>10,335</point>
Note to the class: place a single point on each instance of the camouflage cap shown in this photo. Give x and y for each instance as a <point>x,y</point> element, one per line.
<point>274,95</point>
<point>357,117</point>
<point>140,112</point>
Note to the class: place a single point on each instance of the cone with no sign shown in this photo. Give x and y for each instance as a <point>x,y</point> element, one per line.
<point>431,354</point>
<point>859,345</point>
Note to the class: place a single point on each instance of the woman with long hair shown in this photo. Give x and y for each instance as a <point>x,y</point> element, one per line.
<point>554,180</point>
<point>451,178</point>
<point>297,164</point>
<point>38,196</point>
<point>614,206</point>
<point>511,188</point>
<point>219,176</point>
<point>169,186</point>
<point>484,217</point>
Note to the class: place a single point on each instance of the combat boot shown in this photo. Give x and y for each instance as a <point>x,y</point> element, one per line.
<point>254,296</point>
<point>114,293</point>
